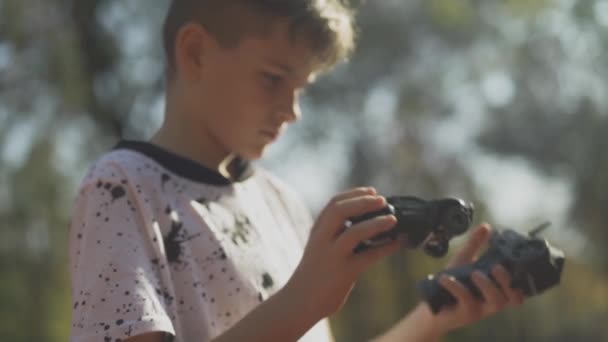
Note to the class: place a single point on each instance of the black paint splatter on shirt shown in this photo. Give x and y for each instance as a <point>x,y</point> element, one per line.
<point>203,201</point>
<point>173,241</point>
<point>240,232</point>
<point>267,281</point>
<point>164,178</point>
<point>220,253</point>
<point>118,192</point>
<point>165,295</point>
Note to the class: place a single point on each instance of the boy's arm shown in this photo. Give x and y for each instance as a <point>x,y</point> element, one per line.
<point>421,325</point>
<point>416,326</point>
<point>280,318</point>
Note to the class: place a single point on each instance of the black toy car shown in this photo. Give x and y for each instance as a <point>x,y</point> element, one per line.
<point>430,224</point>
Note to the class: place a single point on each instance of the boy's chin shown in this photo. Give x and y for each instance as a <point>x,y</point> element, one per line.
<point>253,153</point>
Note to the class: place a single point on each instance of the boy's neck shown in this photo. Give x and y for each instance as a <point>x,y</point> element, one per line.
<point>180,142</point>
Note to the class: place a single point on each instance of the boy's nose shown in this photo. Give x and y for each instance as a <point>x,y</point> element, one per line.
<point>291,111</point>
<point>296,112</point>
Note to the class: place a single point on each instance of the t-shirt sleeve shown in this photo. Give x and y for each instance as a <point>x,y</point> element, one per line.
<point>116,283</point>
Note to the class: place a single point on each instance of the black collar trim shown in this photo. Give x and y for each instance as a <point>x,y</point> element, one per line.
<point>185,167</point>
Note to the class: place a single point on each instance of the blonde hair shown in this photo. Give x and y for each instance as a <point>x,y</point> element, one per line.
<point>326,25</point>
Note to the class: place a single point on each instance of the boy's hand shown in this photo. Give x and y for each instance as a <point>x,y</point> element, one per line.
<point>329,268</point>
<point>421,325</point>
<point>470,309</point>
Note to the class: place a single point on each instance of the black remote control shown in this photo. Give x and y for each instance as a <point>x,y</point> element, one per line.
<point>534,266</point>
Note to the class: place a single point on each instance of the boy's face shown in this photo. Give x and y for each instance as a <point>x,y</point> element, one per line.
<point>245,97</point>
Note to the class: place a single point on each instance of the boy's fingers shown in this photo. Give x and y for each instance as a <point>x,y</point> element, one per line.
<point>336,213</point>
<point>334,202</point>
<point>365,230</point>
<point>356,192</point>
<point>471,249</point>
<point>456,289</point>
<point>367,258</point>
<point>464,297</point>
<point>493,297</point>
<point>514,297</point>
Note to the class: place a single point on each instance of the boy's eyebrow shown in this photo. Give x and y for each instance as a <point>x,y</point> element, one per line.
<point>284,67</point>
<point>290,71</point>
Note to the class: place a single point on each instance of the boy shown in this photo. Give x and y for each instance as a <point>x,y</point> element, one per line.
<point>181,239</point>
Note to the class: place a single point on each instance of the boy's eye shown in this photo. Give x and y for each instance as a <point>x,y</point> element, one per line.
<point>271,79</point>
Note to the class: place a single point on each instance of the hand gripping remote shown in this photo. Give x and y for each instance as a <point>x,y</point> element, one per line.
<point>430,224</point>
<point>534,266</point>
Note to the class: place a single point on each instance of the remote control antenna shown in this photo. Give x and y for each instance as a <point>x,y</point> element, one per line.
<point>539,229</point>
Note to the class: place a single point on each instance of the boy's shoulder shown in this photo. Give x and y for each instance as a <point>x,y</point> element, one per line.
<point>114,166</point>
<point>148,171</point>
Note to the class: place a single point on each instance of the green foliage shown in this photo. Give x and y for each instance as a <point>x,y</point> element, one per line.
<point>435,87</point>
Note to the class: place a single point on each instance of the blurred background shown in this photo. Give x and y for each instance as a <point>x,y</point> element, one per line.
<point>502,103</point>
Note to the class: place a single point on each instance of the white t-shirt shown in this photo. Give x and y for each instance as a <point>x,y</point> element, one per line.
<point>160,243</point>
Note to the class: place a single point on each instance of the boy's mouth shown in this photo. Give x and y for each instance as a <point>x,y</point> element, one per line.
<point>272,135</point>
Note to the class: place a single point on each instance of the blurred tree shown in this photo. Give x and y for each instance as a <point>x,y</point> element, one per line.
<point>499,70</point>
<point>48,64</point>
<point>433,86</point>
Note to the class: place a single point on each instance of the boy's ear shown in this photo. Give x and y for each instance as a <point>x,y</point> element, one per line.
<point>190,47</point>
